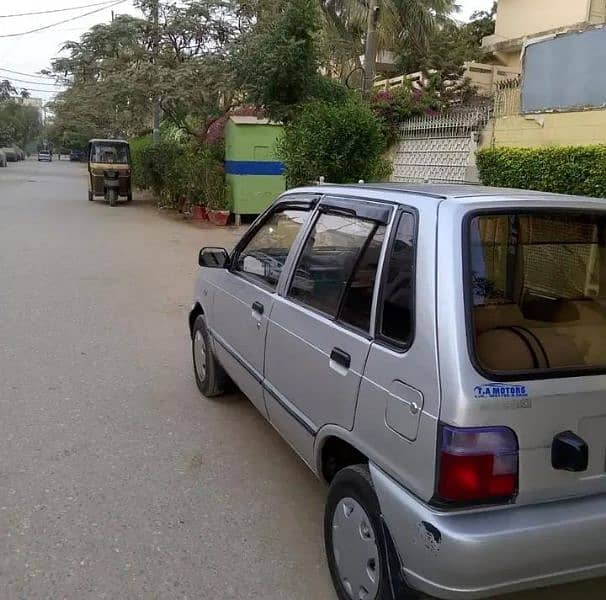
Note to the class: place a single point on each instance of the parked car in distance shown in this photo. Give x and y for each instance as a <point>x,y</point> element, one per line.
<point>437,355</point>
<point>10,153</point>
<point>3,162</point>
<point>77,155</point>
<point>45,156</point>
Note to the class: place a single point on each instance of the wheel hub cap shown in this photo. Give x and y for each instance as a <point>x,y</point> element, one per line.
<point>355,550</point>
<point>200,355</point>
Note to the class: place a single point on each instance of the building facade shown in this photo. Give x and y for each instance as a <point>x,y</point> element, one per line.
<point>520,20</point>
<point>560,100</point>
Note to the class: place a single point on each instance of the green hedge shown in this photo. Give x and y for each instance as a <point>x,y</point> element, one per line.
<point>565,170</point>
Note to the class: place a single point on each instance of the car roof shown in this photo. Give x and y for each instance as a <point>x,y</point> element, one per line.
<point>436,191</point>
<point>96,140</point>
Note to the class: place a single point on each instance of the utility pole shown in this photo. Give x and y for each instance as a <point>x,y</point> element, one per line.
<point>156,48</point>
<point>370,52</point>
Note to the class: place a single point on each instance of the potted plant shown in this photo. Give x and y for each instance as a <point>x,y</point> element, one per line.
<point>218,216</point>
<point>218,206</point>
<point>199,212</point>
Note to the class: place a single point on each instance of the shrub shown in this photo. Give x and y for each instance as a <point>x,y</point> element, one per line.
<point>565,170</point>
<point>392,107</point>
<point>162,170</point>
<point>342,142</point>
<point>175,171</point>
<point>137,147</point>
<point>203,167</point>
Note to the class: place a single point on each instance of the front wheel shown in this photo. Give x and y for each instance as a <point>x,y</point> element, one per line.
<point>210,376</point>
<point>361,557</point>
<point>113,197</point>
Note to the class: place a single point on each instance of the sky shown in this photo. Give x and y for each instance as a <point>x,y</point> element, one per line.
<point>30,53</point>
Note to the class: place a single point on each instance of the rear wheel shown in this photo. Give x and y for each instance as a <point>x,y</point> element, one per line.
<point>113,197</point>
<point>363,562</point>
<point>210,376</point>
<point>129,197</point>
<point>90,196</point>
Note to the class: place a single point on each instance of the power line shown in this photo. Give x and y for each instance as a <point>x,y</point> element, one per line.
<point>56,10</point>
<point>26,74</point>
<point>30,89</point>
<point>92,12</point>
<point>13,79</point>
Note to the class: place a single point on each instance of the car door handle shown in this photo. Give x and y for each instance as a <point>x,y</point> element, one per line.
<point>340,357</point>
<point>258,307</point>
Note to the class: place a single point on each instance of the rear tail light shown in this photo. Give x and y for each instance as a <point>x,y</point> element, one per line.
<point>477,464</point>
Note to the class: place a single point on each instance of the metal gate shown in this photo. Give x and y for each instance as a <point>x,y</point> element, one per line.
<point>440,148</point>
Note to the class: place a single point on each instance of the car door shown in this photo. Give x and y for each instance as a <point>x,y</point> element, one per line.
<point>244,296</point>
<point>318,332</point>
<point>398,402</point>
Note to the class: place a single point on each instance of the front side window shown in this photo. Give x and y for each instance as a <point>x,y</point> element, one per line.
<point>339,253</point>
<point>538,288</point>
<point>264,255</point>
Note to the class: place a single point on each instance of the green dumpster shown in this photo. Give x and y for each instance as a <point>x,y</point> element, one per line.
<point>253,172</point>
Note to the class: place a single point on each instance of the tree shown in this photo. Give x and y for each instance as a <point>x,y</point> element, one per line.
<point>403,24</point>
<point>277,64</point>
<point>482,23</point>
<point>6,90</point>
<point>115,73</point>
<point>19,124</point>
<point>451,44</point>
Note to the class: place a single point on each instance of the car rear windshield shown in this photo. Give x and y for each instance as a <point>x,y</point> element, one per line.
<point>538,289</point>
<point>110,153</point>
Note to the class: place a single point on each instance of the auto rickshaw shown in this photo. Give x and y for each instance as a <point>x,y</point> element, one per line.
<point>109,170</point>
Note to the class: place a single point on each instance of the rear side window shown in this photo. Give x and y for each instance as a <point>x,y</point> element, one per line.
<point>538,290</point>
<point>357,302</point>
<point>397,292</point>
<point>264,255</point>
<point>337,268</point>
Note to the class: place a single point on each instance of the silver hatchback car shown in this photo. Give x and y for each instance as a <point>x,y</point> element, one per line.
<point>437,355</point>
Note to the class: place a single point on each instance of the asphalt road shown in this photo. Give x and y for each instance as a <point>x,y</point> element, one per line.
<point>117,479</point>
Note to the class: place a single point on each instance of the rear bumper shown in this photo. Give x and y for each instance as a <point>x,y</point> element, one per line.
<point>98,185</point>
<point>480,554</point>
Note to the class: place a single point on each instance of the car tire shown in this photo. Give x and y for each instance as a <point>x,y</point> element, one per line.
<point>352,511</point>
<point>211,378</point>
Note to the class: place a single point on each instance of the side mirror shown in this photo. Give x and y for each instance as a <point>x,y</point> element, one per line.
<point>213,258</point>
